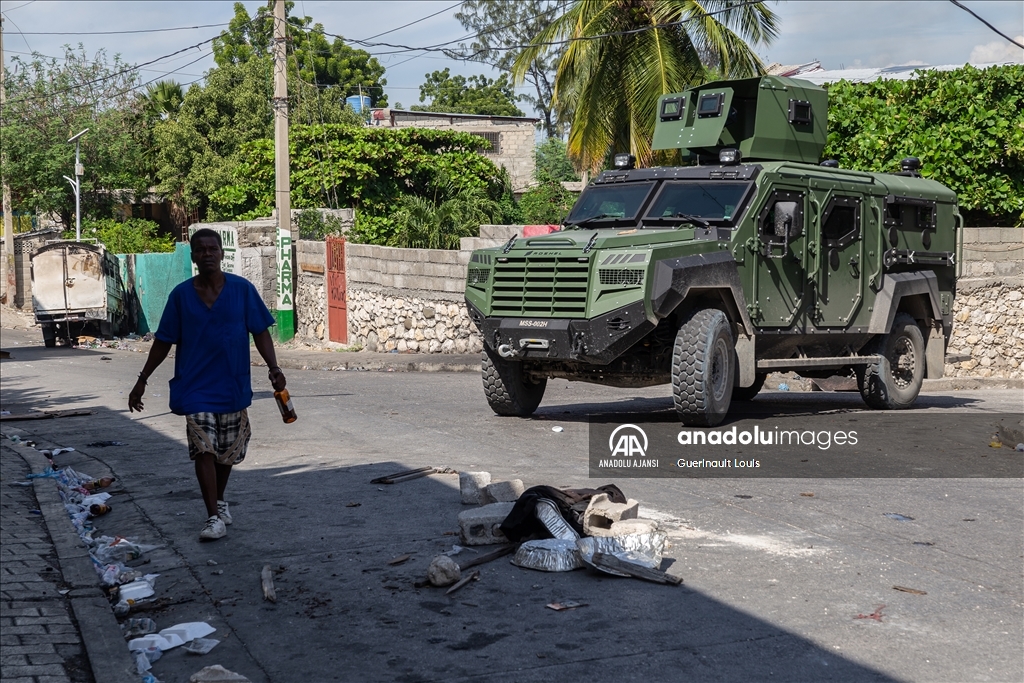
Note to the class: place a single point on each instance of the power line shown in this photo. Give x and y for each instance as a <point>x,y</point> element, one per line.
<point>11,9</point>
<point>429,16</point>
<point>111,33</point>
<point>979,18</point>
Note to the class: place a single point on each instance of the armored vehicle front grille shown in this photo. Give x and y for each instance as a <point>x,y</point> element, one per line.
<point>540,285</point>
<point>477,276</point>
<point>625,276</point>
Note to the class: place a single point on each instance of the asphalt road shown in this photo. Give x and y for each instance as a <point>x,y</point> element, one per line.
<point>774,580</point>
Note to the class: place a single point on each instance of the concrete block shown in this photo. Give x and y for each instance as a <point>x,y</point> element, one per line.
<point>602,513</point>
<point>480,526</point>
<point>504,491</point>
<point>471,485</point>
<point>625,527</point>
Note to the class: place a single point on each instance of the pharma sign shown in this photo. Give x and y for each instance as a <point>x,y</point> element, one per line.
<point>848,444</point>
<point>229,241</point>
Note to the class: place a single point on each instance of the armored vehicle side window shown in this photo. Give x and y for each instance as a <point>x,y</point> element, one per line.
<point>610,201</point>
<point>712,201</point>
<point>840,223</point>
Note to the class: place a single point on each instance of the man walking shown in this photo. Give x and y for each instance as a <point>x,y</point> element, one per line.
<point>210,317</point>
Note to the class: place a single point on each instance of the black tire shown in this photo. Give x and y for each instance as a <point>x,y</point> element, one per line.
<point>703,368</point>
<point>748,393</point>
<point>895,381</point>
<point>49,335</point>
<point>507,391</point>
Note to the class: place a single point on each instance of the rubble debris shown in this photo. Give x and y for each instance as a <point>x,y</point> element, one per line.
<point>549,555</point>
<point>628,527</point>
<point>482,525</point>
<point>217,674</point>
<point>602,513</point>
<point>504,491</point>
<point>472,485</point>
<point>522,523</point>
<point>876,615</point>
<point>548,514</point>
<point>267,581</point>
<point>352,505</point>
<point>44,415</point>
<point>898,517</point>
<point>637,571</point>
<point>475,576</point>
<point>904,589</point>
<point>565,605</point>
<point>642,549</point>
<point>487,557</point>
<point>443,571</point>
<point>807,494</point>
<point>104,444</point>
<point>557,429</point>
<point>201,646</point>
<point>139,626</point>
<point>407,475</point>
<point>399,560</point>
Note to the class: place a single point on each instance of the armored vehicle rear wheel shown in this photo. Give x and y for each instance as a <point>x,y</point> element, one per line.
<point>703,368</point>
<point>508,392</point>
<point>896,380</point>
<point>748,393</point>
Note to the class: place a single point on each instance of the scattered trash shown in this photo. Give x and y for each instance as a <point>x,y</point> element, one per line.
<point>217,674</point>
<point>99,509</point>
<point>44,415</point>
<point>923,543</point>
<point>1019,448</point>
<point>456,549</point>
<point>104,444</point>
<point>549,555</point>
<point>996,442</point>
<point>399,560</point>
<point>807,495</point>
<point>22,483</point>
<point>267,581</point>
<point>969,519</point>
<point>557,429</point>
<point>548,514</point>
<point>352,505</point>
<point>566,605</point>
<point>217,572</point>
<point>133,628</point>
<point>202,646</point>
<point>212,563</point>
<point>744,497</point>
<point>640,549</point>
<point>488,557</point>
<point>898,517</point>
<point>783,386</point>
<point>475,576</point>
<point>482,525</point>
<point>904,589</point>
<point>145,657</point>
<point>611,563</point>
<point>602,512</point>
<point>503,491</point>
<point>443,571</point>
<point>407,475</point>
<point>98,483</point>
<point>139,589</point>
<point>876,615</point>
<point>106,358</point>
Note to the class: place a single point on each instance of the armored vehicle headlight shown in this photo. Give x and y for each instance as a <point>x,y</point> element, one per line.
<point>625,161</point>
<point>729,157</point>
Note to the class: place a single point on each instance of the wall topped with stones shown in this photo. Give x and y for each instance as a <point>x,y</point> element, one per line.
<point>988,331</point>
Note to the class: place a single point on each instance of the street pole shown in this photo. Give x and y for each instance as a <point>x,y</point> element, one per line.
<point>285,312</point>
<point>8,264</point>
<point>76,184</point>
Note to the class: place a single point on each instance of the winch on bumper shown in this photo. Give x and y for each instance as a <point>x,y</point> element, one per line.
<point>598,340</point>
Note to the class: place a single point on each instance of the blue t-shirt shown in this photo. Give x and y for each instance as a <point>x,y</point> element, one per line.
<point>211,364</point>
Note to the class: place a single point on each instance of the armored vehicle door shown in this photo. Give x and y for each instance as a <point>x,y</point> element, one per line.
<point>779,279</point>
<point>839,256</point>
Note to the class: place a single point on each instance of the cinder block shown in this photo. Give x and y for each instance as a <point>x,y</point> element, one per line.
<point>472,485</point>
<point>504,491</point>
<point>626,527</point>
<point>602,513</point>
<point>480,526</point>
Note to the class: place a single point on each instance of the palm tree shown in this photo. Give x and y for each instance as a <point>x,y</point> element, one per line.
<point>164,98</point>
<point>625,54</point>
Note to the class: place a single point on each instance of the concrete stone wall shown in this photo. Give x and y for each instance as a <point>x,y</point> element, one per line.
<point>992,253</point>
<point>311,291</point>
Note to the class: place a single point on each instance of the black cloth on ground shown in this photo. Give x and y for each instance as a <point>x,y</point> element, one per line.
<point>522,524</point>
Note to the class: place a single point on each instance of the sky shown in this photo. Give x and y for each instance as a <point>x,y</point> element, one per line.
<point>838,33</point>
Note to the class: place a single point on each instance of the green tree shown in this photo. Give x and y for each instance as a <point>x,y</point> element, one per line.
<point>48,101</point>
<point>130,236</point>
<point>477,95</point>
<point>163,99</point>
<point>618,64</point>
<point>499,25</point>
<point>966,126</point>
<point>547,204</point>
<point>552,164</point>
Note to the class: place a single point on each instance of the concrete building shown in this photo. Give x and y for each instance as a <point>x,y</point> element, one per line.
<point>511,138</point>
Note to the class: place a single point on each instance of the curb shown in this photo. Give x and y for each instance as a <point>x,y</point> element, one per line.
<point>457,364</point>
<point>101,635</point>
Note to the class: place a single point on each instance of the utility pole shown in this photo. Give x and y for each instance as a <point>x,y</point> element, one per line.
<point>8,265</point>
<point>285,312</point>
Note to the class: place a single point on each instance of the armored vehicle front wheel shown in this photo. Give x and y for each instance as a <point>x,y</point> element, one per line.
<point>748,393</point>
<point>896,380</point>
<point>703,368</point>
<point>508,392</point>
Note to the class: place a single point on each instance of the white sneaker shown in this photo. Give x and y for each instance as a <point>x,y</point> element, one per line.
<point>213,529</point>
<point>223,513</point>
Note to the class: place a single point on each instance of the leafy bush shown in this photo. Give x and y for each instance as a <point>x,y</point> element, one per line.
<point>966,126</point>
<point>371,169</point>
<point>546,204</point>
<point>316,225</point>
<point>552,162</point>
<point>130,236</point>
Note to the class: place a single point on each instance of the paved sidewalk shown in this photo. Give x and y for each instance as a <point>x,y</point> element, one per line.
<point>40,641</point>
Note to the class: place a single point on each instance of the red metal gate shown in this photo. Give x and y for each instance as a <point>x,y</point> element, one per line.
<point>337,306</point>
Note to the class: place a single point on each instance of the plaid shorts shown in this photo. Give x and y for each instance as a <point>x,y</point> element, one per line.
<point>226,435</point>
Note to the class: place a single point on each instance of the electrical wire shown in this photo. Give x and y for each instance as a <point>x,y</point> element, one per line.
<point>111,33</point>
<point>429,16</point>
<point>11,9</point>
<point>979,18</point>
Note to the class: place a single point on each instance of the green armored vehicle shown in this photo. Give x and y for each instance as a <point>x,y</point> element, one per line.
<point>755,260</point>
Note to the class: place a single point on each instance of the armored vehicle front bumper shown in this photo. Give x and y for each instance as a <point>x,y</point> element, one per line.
<point>597,340</point>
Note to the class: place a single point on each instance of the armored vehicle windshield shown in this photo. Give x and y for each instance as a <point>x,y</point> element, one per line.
<point>714,202</point>
<point>609,205</point>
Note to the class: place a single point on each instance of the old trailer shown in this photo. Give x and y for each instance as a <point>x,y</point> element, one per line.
<point>77,289</point>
